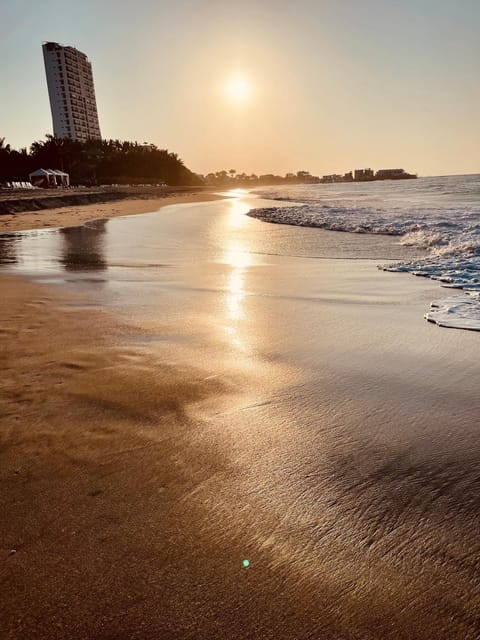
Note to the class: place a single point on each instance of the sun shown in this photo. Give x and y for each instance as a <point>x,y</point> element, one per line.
<point>239,89</point>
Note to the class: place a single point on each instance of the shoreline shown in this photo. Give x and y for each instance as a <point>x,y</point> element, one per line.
<point>76,215</point>
<point>145,457</point>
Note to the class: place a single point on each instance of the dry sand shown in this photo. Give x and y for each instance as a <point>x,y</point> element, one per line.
<point>73,216</point>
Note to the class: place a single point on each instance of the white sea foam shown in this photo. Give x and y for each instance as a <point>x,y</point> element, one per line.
<point>460,312</point>
<point>439,215</point>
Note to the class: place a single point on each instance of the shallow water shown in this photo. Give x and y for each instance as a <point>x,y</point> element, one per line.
<point>440,215</point>
<point>346,453</point>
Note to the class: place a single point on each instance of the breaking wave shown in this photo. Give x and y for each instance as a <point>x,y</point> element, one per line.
<point>438,215</point>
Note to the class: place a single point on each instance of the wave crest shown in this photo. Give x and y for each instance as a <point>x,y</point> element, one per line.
<point>438,215</point>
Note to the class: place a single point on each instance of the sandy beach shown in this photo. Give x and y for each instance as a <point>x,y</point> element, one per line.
<point>75,215</point>
<point>240,320</point>
<point>164,422</point>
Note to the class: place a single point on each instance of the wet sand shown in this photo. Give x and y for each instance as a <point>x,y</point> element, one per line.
<point>91,445</point>
<point>322,431</point>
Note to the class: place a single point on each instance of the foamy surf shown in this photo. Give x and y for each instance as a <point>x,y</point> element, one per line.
<point>460,312</point>
<point>438,215</point>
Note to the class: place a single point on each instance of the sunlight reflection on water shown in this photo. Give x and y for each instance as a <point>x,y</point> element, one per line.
<point>238,258</point>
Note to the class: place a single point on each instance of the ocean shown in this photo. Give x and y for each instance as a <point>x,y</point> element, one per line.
<point>439,216</point>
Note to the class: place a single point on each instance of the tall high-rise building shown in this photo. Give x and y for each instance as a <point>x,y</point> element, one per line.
<point>71,92</point>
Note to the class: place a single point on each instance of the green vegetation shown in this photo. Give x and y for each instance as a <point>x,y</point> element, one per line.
<point>97,162</point>
<point>233,179</point>
<point>106,162</point>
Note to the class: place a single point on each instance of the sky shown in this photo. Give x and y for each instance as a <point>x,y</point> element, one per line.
<point>333,84</point>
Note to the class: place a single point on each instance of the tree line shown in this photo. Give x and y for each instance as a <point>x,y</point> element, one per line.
<point>96,162</point>
<point>233,179</point>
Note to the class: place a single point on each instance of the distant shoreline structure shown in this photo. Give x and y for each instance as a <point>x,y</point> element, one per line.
<point>369,175</point>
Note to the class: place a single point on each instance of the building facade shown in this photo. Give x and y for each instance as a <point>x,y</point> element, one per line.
<point>363,175</point>
<point>71,92</point>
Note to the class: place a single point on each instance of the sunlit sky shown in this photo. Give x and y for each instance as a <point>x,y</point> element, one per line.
<point>262,86</point>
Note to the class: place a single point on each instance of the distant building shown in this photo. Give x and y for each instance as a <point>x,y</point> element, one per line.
<point>71,92</point>
<point>393,174</point>
<point>367,175</point>
<point>334,177</point>
<point>363,175</point>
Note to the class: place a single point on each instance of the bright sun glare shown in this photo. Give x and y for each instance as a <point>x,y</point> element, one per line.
<point>239,89</point>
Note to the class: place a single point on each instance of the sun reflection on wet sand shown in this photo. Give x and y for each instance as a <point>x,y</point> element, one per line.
<point>239,259</point>
<point>238,210</point>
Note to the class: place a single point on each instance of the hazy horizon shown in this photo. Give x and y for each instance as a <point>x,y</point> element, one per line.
<point>324,87</point>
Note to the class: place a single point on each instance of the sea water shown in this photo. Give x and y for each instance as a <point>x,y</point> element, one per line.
<point>440,215</point>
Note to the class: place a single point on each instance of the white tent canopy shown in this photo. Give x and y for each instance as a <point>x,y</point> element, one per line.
<point>50,177</point>
<point>40,172</point>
